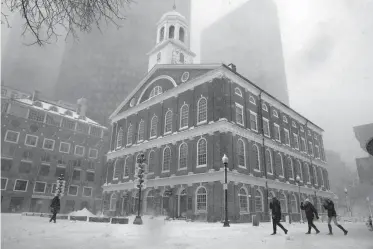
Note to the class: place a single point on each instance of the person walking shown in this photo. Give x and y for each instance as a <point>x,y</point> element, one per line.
<point>276,215</point>
<point>55,208</point>
<point>332,216</point>
<point>311,212</point>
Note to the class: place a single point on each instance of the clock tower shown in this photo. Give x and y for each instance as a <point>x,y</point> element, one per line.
<point>172,46</point>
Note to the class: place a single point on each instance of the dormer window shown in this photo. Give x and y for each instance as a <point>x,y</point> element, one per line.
<point>171,33</point>
<point>156,91</point>
<point>53,108</point>
<point>69,113</point>
<point>38,104</point>
<point>161,34</point>
<point>181,34</point>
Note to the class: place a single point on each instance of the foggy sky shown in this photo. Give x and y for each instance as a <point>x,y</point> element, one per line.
<point>328,53</point>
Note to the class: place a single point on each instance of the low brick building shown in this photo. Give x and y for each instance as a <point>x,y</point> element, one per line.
<point>185,117</point>
<point>42,139</point>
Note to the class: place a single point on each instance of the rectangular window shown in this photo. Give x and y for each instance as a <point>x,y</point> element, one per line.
<point>95,131</point>
<point>82,128</point>
<point>91,165</point>
<point>76,175</point>
<point>303,144</point>
<point>6,164</point>
<point>317,151</point>
<point>277,132</point>
<point>20,185</point>
<point>8,150</point>
<point>39,187</point>
<point>54,188</point>
<point>11,136</point>
<point>287,137</point>
<point>253,121</point>
<point>239,114</point>
<point>37,116</point>
<point>93,153</point>
<point>44,169</point>
<point>73,190</point>
<point>87,192</point>
<point>266,130</point>
<point>79,150</point>
<point>31,140</point>
<point>59,171</point>
<point>64,147</point>
<point>90,176</point>
<point>25,167</point>
<point>48,144</point>
<point>296,141</point>
<point>68,124</point>
<point>310,148</point>
<point>4,183</point>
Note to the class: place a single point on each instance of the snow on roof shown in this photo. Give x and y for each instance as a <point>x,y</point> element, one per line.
<point>56,109</point>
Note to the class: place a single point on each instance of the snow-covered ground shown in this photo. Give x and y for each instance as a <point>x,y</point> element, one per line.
<point>20,232</point>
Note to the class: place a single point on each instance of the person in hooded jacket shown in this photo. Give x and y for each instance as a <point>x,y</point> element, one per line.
<point>275,206</point>
<point>55,208</point>
<point>332,216</point>
<point>311,212</point>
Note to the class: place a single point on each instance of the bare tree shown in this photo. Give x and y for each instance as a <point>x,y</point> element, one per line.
<point>43,17</point>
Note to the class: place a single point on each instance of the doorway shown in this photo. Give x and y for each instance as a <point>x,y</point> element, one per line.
<point>182,204</point>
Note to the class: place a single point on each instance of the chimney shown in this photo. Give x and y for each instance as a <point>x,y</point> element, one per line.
<point>82,108</point>
<point>232,66</point>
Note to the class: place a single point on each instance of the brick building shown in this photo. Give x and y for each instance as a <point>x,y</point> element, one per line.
<point>42,139</point>
<point>185,117</point>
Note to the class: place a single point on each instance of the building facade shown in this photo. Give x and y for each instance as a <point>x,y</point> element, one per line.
<point>41,140</point>
<point>252,41</point>
<point>364,134</point>
<point>184,118</point>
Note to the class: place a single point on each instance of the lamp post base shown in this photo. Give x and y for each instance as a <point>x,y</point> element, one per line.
<point>137,221</point>
<point>226,223</point>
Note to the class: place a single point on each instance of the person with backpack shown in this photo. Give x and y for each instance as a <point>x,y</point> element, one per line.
<point>275,206</point>
<point>332,216</point>
<point>55,208</point>
<point>311,212</point>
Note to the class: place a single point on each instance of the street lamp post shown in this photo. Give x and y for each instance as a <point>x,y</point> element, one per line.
<point>369,206</point>
<point>347,206</point>
<point>139,183</point>
<point>300,211</point>
<point>225,162</point>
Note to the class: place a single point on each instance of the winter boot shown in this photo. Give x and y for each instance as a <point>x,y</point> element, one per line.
<point>330,230</point>
<point>309,230</point>
<point>286,231</point>
<point>317,231</point>
<point>344,230</point>
<point>274,233</point>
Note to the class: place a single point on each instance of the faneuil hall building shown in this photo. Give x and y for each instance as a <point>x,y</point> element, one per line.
<point>184,117</point>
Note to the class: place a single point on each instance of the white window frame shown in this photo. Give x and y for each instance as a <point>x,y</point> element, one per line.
<point>6,184</point>
<point>168,170</point>
<point>260,167</point>
<point>15,183</point>
<point>9,141</point>
<point>318,151</point>
<point>309,142</point>
<point>252,100</point>
<point>76,146</point>
<point>120,135</point>
<point>301,170</point>
<point>48,139</point>
<point>286,131</point>
<point>275,113</point>
<point>277,127</point>
<point>282,166</point>
<point>314,169</point>
<point>129,135</point>
<point>148,165</point>
<point>294,124</point>
<point>295,136</point>
<point>270,157</point>
<point>292,168</point>
<point>301,128</point>
<point>89,153</point>
<point>87,195</point>
<point>181,117</point>
<point>256,121</point>
<point>238,91</point>
<point>244,154</point>
<point>30,145</point>
<point>265,120</point>
<point>151,127</point>
<point>64,151</point>
<point>247,195</point>
<point>139,139</point>
<point>165,122</point>
<point>322,177</point>
<point>45,187</point>
<point>116,168</point>
<point>186,166</point>
<point>124,168</point>
<point>264,107</point>
<point>242,114</point>
<point>199,122</point>
<point>304,144</point>
<point>309,173</point>
<point>262,200</point>
<point>202,165</point>
<point>196,203</point>
<point>77,190</point>
<point>284,119</point>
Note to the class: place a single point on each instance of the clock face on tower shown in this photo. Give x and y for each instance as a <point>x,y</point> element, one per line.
<point>178,57</point>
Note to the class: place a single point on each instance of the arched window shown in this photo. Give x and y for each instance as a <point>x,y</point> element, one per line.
<point>154,127</point>
<point>316,182</point>
<point>159,57</point>
<point>290,168</point>
<point>258,201</point>
<point>126,168</point>
<point>202,110</point>
<point>294,204</point>
<point>238,92</point>
<point>202,152</point>
<point>151,161</point>
<point>256,157</point>
<point>283,203</point>
<point>129,135</point>
<point>241,153</point>
<point>243,197</point>
<point>140,135</point>
<point>168,122</point>
<point>166,159</point>
<point>182,58</point>
<point>269,164</point>
<point>308,173</point>
<point>120,138</point>
<point>321,176</point>
<point>116,171</point>
<point>171,33</point>
<point>252,100</point>
<point>299,170</point>
<point>184,117</point>
<point>183,155</point>
<point>150,201</point>
<point>279,165</point>
<point>113,202</point>
<point>157,90</point>
<point>201,199</point>
<point>264,107</point>
<point>181,34</point>
<point>275,113</point>
<point>161,34</point>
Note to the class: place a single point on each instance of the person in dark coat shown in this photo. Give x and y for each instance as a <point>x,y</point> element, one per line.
<point>55,208</point>
<point>311,212</point>
<point>332,216</point>
<point>276,215</point>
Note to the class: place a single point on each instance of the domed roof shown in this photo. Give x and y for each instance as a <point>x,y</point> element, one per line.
<point>172,13</point>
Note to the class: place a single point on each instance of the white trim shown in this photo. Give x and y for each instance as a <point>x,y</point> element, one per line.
<point>284,119</point>
<point>301,170</point>
<point>318,151</point>
<point>270,157</point>
<point>295,136</point>
<point>314,169</point>
<point>181,117</point>
<point>6,184</point>
<point>77,190</point>
<point>264,107</point>
<point>170,161</point>
<point>244,154</point>
<point>89,153</point>
<point>48,139</point>
<point>260,168</point>
<point>286,131</point>
<point>79,146</point>
<point>265,120</point>
<point>143,131</point>
<point>202,165</point>
<point>30,145</point>
<point>286,201</point>
<point>256,120</point>
<point>45,187</point>
<point>198,110</point>
<point>276,126</point>
<point>310,145</point>
<point>151,127</point>
<point>252,100</point>
<point>247,195</point>
<point>119,142</point>
<point>304,144</point>
<point>238,91</point>
<point>68,152</point>
<point>301,128</point>
<point>187,150</point>
<point>114,197</point>
<point>242,114</point>
<point>261,197</point>
<point>309,172</point>
<point>275,113</point>
<point>322,176</point>
<point>165,132</point>
<point>293,124</point>
<point>282,165</point>
<point>15,183</point>
<point>292,167</point>
<point>296,204</point>
<point>196,204</point>
<point>124,168</point>
<point>151,83</point>
<point>9,141</point>
<point>116,167</point>
<point>129,141</point>
<point>87,188</point>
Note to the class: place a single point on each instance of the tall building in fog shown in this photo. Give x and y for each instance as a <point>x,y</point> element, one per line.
<point>250,38</point>
<point>105,66</point>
